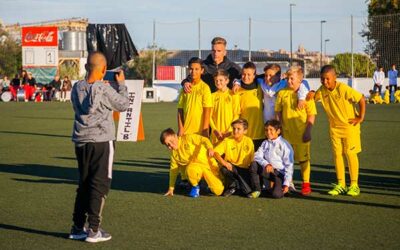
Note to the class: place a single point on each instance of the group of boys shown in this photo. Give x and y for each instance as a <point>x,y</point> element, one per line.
<point>238,157</point>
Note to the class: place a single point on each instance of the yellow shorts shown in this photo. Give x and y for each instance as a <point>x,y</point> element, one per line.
<point>301,152</point>
<point>346,145</point>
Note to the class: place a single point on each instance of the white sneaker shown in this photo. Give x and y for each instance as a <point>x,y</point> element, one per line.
<point>98,236</point>
<point>292,188</point>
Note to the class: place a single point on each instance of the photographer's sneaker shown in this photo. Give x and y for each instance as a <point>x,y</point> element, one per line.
<point>77,233</point>
<point>98,236</point>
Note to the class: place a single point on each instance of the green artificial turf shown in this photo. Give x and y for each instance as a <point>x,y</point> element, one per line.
<point>38,178</point>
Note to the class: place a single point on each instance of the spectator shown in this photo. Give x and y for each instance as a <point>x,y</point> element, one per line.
<point>66,89</point>
<point>15,84</point>
<point>29,86</point>
<point>5,84</point>
<point>54,87</point>
<point>378,78</point>
<point>392,75</point>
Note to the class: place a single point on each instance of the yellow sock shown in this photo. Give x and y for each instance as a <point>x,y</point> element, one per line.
<point>339,166</point>
<point>352,161</point>
<point>305,168</point>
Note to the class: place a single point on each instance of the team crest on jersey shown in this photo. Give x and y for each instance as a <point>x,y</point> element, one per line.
<point>246,148</point>
<point>186,146</point>
<point>228,99</point>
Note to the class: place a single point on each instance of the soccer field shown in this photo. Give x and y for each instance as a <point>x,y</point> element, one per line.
<point>38,178</point>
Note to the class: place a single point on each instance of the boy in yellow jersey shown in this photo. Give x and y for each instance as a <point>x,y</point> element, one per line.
<point>338,100</point>
<point>386,96</point>
<point>397,95</point>
<point>374,97</point>
<point>194,108</point>
<point>297,123</point>
<point>226,108</point>
<point>238,153</point>
<point>189,152</point>
<point>251,104</point>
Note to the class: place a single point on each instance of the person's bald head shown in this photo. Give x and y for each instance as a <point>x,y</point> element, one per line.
<point>96,62</point>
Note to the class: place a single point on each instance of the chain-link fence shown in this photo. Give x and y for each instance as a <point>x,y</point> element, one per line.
<point>364,42</point>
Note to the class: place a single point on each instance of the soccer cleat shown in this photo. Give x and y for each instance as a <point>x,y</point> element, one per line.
<point>353,190</point>
<point>77,233</point>
<point>229,192</point>
<point>305,189</point>
<point>98,236</point>
<point>195,192</point>
<point>254,194</point>
<point>337,189</point>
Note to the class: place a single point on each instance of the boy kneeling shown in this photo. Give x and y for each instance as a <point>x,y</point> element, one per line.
<point>235,154</point>
<point>189,154</point>
<point>273,159</point>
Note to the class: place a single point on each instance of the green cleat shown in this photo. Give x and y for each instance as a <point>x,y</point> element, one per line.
<point>353,190</point>
<point>338,189</point>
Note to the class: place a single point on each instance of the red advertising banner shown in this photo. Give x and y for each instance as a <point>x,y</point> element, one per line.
<point>39,36</point>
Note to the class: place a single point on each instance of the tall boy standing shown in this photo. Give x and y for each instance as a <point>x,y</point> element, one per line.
<point>297,123</point>
<point>338,100</point>
<point>194,108</point>
<point>226,108</point>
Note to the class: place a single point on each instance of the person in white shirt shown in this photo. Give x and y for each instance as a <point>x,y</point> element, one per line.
<point>392,75</point>
<point>273,159</point>
<point>378,78</point>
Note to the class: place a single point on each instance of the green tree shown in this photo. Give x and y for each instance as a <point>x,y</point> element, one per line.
<point>363,65</point>
<point>10,55</point>
<point>141,67</point>
<point>383,32</point>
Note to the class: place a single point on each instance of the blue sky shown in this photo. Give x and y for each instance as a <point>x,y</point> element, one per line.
<point>177,26</point>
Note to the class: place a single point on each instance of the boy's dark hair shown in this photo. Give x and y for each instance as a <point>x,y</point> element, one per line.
<point>250,65</point>
<point>274,123</point>
<point>328,68</point>
<point>398,88</point>
<point>218,40</point>
<point>242,121</point>
<point>221,72</point>
<point>165,133</point>
<point>196,60</point>
<point>387,87</point>
<point>273,66</point>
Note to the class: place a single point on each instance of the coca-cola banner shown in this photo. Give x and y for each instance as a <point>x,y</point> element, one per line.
<point>39,36</point>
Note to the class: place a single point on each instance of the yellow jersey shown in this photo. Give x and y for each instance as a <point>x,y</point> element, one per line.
<point>294,120</point>
<point>397,96</point>
<point>386,97</point>
<point>339,107</point>
<point>192,105</point>
<point>240,154</point>
<point>192,148</point>
<point>251,109</point>
<point>226,109</point>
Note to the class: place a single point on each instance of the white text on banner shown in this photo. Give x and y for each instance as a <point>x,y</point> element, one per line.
<point>128,124</point>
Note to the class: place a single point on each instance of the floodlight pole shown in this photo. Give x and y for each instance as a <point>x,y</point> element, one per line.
<point>154,52</point>
<point>199,30</point>
<point>291,38</point>
<point>249,38</point>
<point>320,58</point>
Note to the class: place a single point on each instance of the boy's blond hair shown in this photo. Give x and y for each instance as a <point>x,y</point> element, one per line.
<point>295,70</point>
<point>221,72</point>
